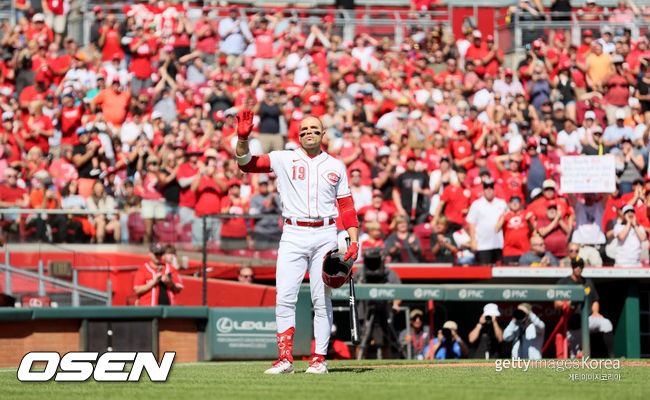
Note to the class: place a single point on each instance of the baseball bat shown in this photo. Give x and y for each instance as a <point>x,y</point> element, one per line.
<point>354,317</point>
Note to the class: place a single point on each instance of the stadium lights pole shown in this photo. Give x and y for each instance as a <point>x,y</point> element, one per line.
<point>205,261</point>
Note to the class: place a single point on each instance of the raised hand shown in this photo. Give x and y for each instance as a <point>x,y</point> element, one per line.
<point>244,124</point>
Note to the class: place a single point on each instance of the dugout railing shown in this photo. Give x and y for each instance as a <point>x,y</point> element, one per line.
<point>474,293</point>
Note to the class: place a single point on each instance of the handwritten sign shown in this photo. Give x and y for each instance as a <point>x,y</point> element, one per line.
<point>588,174</point>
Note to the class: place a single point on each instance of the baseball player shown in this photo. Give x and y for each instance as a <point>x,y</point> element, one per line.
<point>310,184</point>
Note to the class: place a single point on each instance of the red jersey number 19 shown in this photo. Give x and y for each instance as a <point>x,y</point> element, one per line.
<point>298,172</point>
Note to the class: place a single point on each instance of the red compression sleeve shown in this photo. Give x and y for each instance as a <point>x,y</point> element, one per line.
<point>258,164</point>
<point>348,213</point>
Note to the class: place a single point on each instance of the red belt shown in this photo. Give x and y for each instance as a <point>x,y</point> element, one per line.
<point>315,224</point>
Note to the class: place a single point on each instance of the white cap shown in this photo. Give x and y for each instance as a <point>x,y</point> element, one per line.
<point>620,114</point>
<point>156,114</point>
<point>633,101</point>
<point>383,151</point>
<point>491,309</point>
<point>415,114</point>
<point>590,115</point>
<point>38,17</point>
<point>7,115</point>
<point>477,34</point>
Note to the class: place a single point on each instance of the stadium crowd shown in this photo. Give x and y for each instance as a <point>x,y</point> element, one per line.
<point>452,157</point>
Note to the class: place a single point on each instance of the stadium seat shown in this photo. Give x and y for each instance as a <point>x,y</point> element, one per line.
<point>136,228</point>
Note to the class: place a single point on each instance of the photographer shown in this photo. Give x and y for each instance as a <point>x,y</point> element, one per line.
<point>487,333</point>
<point>526,331</point>
<point>375,317</point>
<point>447,345</point>
<point>156,282</point>
<point>417,336</point>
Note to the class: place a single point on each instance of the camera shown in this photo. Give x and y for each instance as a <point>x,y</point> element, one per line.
<point>373,265</point>
<point>488,319</point>
<point>519,315</point>
<point>446,332</point>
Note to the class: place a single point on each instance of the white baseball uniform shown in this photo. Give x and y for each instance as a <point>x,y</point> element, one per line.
<point>309,189</point>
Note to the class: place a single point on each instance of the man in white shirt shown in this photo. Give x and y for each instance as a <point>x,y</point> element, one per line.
<point>569,138</point>
<point>629,236</point>
<point>482,219</point>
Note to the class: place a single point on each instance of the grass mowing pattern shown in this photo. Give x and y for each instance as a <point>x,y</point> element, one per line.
<point>346,380</point>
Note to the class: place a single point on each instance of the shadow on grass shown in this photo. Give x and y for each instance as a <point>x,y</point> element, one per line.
<point>350,369</point>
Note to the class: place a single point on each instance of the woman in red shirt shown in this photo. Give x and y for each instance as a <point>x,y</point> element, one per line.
<point>39,128</point>
<point>209,186</point>
<point>234,232</point>
<point>153,202</point>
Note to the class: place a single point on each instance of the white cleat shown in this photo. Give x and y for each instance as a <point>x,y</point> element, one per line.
<point>280,367</point>
<point>317,365</point>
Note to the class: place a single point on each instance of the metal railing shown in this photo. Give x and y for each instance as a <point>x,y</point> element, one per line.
<point>76,291</point>
<point>515,32</point>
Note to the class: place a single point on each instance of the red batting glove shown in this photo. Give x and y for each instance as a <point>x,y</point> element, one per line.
<point>353,251</point>
<point>244,123</point>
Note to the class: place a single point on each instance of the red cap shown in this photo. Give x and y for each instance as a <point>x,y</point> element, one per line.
<point>377,192</point>
<point>482,153</point>
<point>193,149</point>
<point>588,33</point>
<point>218,77</point>
<point>219,115</point>
<point>560,37</point>
<point>97,9</point>
<point>205,9</point>
<point>532,141</point>
<point>359,95</point>
<point>509,71</point>
<point>646,177</point>
<point>566,64</point>
<point>328,18</point>
<point>551,203</point>
<point>490,38</point>
<point>537,43</point>
<point>116,56</point>
<point>234,182</point>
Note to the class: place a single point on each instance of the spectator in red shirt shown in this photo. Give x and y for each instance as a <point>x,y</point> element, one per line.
<point>455,200</point>
<point>234,231</point>
<point>555,229</point>
<point>209,186</point>
<point>143,47</point>
<point>618,88</point>
<point>462,149</point>
<point>38,128</point>
<point>374,238</point>
<point>110,39</point>
<point>517,227</point>
<point>12,196</point>
<point>207,34</point>
<point>379,211</point>
<point>156,283</point>
<point>36,92</point>
<point>264,35</point>
<point>153,201</point>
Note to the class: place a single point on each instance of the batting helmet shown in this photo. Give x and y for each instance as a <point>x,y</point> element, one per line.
<point>336,271</point>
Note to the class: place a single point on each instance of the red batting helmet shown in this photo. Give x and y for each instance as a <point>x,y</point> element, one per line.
<point>336,271</point>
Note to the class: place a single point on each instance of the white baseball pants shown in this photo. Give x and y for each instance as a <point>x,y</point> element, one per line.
<point>302,249</point>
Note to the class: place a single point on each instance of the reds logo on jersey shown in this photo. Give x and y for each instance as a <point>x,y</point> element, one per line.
<point>332,177</point>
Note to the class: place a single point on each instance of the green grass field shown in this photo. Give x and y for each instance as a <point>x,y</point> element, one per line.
<point>358,380</point>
